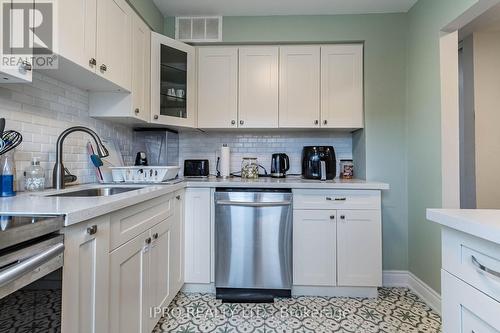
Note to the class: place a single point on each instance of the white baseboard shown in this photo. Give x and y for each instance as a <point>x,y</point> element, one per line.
<point>409,280</point>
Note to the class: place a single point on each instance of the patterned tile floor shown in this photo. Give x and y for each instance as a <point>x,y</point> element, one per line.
<point>395,310</point>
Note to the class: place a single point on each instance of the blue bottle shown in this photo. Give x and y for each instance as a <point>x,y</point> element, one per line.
<point>7,176</point>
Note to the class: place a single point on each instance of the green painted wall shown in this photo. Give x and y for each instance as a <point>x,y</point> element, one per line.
<point>383,143</point>
<point>149,12</point>
<point>426,19</point>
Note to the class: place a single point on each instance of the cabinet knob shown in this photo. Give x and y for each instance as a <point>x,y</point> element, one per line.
<point>233,122</point>
<point>92,230</point>
<point>325,122</point>
<point>137,111</point>
<point>155,235</point>
<point>156,117</point>
<point>148,240</point>
<point>103,68</point>
<point>332,217</point>
<point>342,217</point>
<point>316,122</point>
<point>178,197</point>
<point>92,62</point>
<point>241,122</point>
<point>26,66</point>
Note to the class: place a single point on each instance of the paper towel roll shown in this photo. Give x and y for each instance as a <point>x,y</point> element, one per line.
<point>225,161</point>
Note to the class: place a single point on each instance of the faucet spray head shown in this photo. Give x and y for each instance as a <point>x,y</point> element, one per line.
<point>102,151</point>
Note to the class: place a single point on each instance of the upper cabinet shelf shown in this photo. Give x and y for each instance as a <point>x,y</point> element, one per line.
<point>299,86</point>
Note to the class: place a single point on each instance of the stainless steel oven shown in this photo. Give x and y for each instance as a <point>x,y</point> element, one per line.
<point>253,244</point>
<point>31,260</point>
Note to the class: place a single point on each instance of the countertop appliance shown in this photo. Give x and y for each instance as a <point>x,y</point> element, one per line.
<point>31,260</point>
<point>196,168</point>
<point>319,162</point>
<point>280,164</point>
<point>253,244</point>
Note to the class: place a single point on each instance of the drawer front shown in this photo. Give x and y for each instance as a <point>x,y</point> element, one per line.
<point>473,260</point>
<point>133,221</point>
<point>466,309</point>
<point>336,199</point>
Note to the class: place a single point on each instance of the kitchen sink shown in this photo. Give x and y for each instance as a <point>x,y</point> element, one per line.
<point>96,192</point>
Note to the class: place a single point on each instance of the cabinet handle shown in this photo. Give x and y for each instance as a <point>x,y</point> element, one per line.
<point>155,117</point>
<point>92,62</point>
<point>241,122</point>
<point>342,217</point>
<point>103,68</point>
<point>316,122</point>
<point>332,217</point>
<point>92,230</point>
<point>340,199</point>
<point>233,122</point>
<point>137,111</point>
<point>178,197</point>
<point>325,122</point>
<point>26,66</point>
<point>148,240</point>
<point>155,235</point>
<point>328,198</point>
<point>485,269</point>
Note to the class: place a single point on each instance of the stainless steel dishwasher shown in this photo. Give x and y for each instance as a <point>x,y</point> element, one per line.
<point>253,244</point>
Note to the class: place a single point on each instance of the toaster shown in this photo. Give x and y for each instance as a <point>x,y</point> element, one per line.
<point>196,168</point>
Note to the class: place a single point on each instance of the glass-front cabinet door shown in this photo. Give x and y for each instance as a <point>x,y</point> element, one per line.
<point>173,82</point>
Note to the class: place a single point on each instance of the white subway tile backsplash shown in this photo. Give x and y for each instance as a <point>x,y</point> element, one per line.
<point>41,111</point>
<point>206,145</point>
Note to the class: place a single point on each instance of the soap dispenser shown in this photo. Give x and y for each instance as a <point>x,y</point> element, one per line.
<point>7,171</point>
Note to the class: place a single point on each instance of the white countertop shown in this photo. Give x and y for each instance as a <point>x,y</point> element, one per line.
<point>482,223</point>
<point>78,209</point>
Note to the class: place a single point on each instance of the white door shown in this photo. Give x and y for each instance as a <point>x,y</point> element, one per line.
<point>177,264</point>
<point>128,287</point>
<point>258,87</point>
<point>77,31</point>
<point>359,248</point>
<point>314,252</point>
<point>18,68</point>
<point>114,42</point>
<point>197,235</point>
<point>299,92</point>
<point>342,86</point>
<point>217,87</point>
<point>160,263</point>
<point>173,82</point>
<point>85,277</point>
<point>141,68</point>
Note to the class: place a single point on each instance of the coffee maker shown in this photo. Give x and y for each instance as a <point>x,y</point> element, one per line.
<point>319,162</point>
<point>280,164</point>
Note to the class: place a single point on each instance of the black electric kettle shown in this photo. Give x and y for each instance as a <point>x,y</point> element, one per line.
<point>280,164</point>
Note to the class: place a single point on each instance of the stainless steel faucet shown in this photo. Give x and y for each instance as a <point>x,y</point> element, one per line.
<point>59,170</point>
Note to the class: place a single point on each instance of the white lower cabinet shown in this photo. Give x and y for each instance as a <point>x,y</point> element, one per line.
<point>85,304</point>
<point>466,309</point>
<point>336,247</point>
<point>359,248</point>
<point>129,275</point>
<point>197,235</point>
<point>314,251</point>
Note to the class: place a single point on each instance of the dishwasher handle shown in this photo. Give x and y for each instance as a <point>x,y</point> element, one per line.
<point>253,204</point>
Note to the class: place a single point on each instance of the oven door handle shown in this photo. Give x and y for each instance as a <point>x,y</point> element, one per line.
<point>14,272</point>
<point>253,204</point>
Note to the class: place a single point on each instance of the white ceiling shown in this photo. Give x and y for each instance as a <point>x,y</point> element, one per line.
<point>280,7</point>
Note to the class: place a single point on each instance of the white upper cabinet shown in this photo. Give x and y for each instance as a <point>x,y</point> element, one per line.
<point>299,93</point>
<point>173,82</point>
<point>359,265</point>
<point>78,31</point>
<point>342,86</point>
<point>141,69</point>
<point>217,87</point>
<point>114,40</point>
<point>258,87</point>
